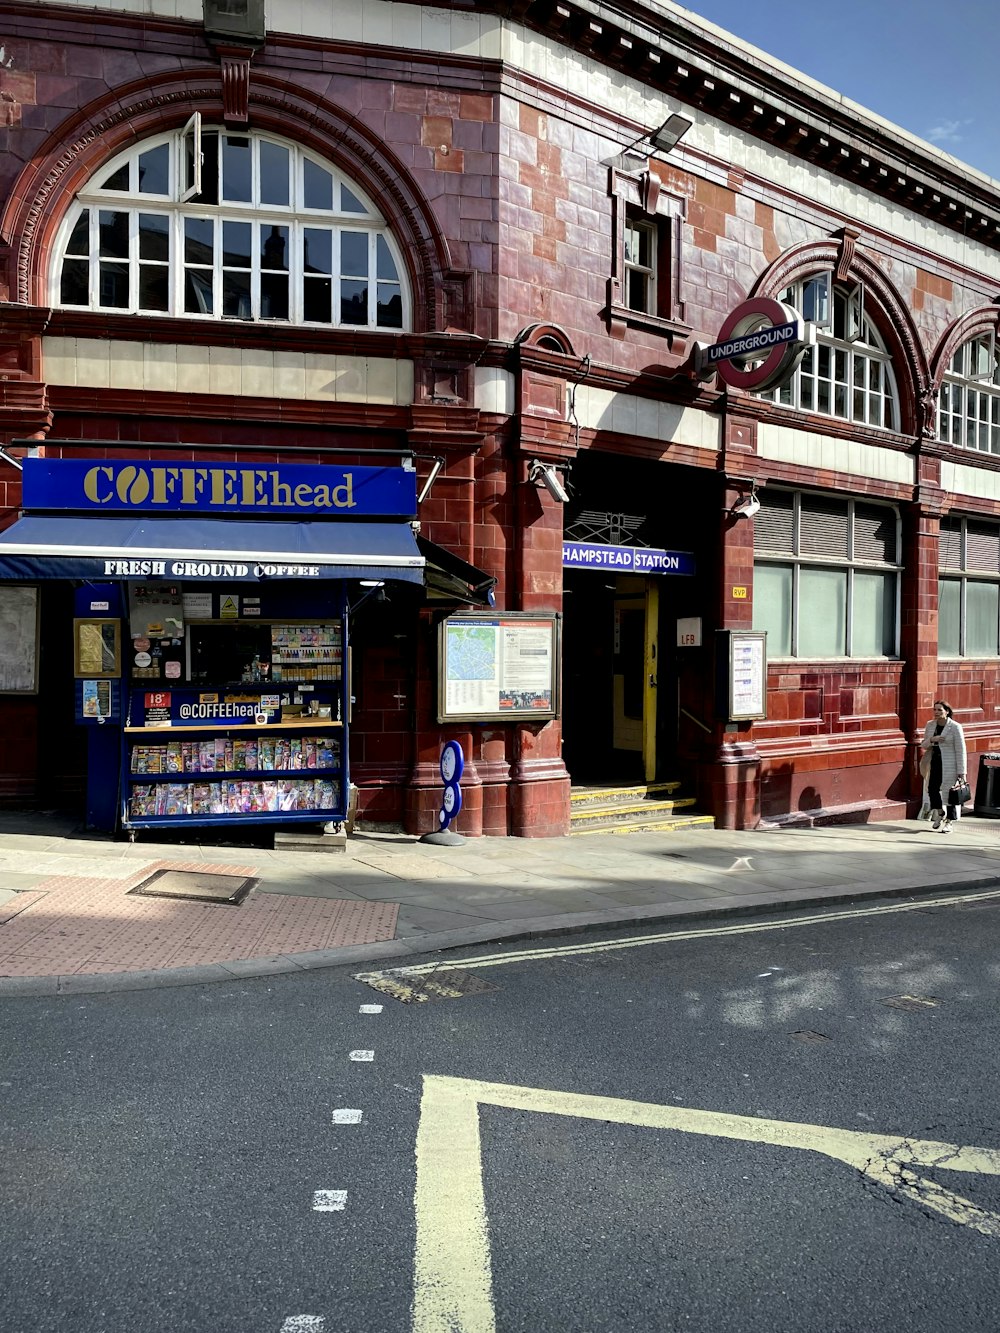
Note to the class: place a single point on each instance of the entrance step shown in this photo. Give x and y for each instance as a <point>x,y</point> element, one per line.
<point>310,840</point>
<point>643,808</point>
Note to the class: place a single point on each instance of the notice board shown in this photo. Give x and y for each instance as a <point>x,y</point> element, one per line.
<point>499,666</point>
<point>18,640</point>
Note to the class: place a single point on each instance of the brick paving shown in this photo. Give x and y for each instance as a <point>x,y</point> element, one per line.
<point>76,924</point>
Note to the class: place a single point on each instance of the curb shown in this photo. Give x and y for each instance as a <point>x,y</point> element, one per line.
<point>567,923</point>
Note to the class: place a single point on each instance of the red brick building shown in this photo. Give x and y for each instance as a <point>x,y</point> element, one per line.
<point>471,231</point>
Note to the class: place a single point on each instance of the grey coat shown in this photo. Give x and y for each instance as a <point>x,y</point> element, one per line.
<point>953,757</point>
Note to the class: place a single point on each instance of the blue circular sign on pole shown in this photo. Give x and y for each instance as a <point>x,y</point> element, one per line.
<point>452,768</point>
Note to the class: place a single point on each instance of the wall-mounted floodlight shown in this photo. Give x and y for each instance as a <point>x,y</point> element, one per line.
<point>544,474</point>
<point>670,132</point>
<point>432,477</point>
<point>665,137</point>
<point>748,505</point>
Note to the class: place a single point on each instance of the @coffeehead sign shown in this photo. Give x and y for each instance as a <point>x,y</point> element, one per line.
<point>771,334</point>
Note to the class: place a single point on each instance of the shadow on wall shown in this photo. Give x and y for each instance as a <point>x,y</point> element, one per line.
<point>779,797</point>
<point>849,790</point>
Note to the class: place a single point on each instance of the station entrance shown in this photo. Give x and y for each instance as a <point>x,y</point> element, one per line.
<point>628,579</point>
<point>611,685</point>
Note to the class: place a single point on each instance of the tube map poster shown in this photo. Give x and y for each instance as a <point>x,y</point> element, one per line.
<point>497,668</point>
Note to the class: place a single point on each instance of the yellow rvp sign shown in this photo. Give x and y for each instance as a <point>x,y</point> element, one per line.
<point>740,594</point>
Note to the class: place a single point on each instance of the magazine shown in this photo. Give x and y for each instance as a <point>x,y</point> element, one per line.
<point>177,798</point>
<point>143,802</point>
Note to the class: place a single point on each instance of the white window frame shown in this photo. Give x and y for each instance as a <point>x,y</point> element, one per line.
<point>183,203</point>
<point>861,345</point>
<point>191,130</point>
<point>646,274</point>
<point>969,401</point>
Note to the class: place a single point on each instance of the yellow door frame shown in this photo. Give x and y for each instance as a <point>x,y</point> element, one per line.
<point>651,668</point>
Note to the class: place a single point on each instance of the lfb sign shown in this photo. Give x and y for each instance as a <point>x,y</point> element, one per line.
<point>760,346</point>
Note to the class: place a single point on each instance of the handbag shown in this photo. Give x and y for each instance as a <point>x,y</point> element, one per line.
<point>959,794</point>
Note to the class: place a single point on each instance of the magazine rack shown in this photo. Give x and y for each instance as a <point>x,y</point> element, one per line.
<point>247,752</point>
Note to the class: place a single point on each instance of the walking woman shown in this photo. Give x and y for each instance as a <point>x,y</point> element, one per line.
<point>944,747</point>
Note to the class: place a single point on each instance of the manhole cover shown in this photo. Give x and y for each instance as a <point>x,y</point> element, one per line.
<point>912,1003</point>
<point>444,983</point>
<point>200,885</point>
<point>809,1036</point>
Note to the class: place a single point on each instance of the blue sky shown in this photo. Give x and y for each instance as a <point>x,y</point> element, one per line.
<point>931,67</point>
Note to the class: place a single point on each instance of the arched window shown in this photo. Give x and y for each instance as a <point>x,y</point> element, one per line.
<point>212,225</point>
<point>969,400</point>
<point>848,373</point>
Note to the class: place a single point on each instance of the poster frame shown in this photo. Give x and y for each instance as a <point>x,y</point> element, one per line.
<point>553,619</point>
<point>84,670</point>
<point>33,636</point>
<point>728,641</point>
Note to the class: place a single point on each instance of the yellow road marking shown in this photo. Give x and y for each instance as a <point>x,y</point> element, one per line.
<point>453,1287</point>
<point>664,937</point>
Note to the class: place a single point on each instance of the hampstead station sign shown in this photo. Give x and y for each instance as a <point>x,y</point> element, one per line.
<point>626,559</point>
<point>291,490</point>
<point>769,335</point>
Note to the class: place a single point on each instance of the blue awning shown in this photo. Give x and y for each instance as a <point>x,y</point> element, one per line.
<point>107,547</point>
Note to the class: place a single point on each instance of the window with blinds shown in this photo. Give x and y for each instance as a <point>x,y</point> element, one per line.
<point>969,588</point>
<point>826,575</point>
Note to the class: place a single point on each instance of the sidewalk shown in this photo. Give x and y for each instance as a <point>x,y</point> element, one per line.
<point>68,922</point>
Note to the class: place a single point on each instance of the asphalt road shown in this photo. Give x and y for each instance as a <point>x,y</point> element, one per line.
<point>661,1141</point>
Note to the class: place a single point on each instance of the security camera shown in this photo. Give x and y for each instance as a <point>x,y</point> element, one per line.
<point>747,507</point>
<point>546,474</point>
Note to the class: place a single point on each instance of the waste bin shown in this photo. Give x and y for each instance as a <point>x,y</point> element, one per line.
<point>988,787</point>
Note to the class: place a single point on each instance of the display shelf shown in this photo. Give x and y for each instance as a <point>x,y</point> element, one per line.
<point>238,774</point>
<point>176,729</point>
<point>264,817</point>
<point>265,686</point>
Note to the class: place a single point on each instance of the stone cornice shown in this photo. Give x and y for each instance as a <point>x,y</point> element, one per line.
<point>666,50</point>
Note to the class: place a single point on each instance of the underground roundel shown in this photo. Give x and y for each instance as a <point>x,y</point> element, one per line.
<point>760,345</point>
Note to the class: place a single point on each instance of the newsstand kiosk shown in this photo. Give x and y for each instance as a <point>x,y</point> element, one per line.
<point>211,654</point>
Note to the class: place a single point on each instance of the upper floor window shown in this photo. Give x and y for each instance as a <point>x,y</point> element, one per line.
<point>644,284</point>
<point>210,224</point>
<point>848,372</point>
<point>641,242</point>
<point>969,400</point>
